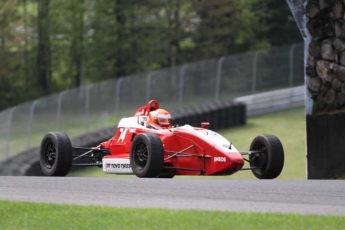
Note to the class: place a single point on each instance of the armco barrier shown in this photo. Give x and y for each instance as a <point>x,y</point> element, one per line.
<point>272,101</point>
<point>220,115</point>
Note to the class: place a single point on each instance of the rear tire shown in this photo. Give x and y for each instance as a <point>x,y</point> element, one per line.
<point>56,154</point>
<point>269,161</point>
<point>147,155</point>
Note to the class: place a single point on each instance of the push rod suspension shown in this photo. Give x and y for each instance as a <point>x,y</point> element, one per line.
<point>183,150</point>
<point>85,153</point>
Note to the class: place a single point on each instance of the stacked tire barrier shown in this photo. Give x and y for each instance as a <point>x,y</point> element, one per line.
<point>220,115</point>
<point>27,163</point>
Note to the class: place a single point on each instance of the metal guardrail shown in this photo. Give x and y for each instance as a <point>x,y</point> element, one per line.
<point>272,101</point>
<point>100,105</point>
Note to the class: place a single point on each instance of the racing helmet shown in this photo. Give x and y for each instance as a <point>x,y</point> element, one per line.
<point>159,118</point>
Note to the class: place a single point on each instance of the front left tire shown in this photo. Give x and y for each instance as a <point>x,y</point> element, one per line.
<point>56,154</point>
<point>147,155</point>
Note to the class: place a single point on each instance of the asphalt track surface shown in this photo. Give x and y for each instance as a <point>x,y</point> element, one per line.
<point>325,197</point>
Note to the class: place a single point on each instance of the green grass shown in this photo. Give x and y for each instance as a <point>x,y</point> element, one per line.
<point>21,215</point>
<point>289,126</point>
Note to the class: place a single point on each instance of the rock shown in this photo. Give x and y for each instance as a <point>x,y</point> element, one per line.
<point>327,51</point>
<point>339,44</point>
<point>312,8</point>
<point>340,101</point>
<point>315,49</point>
<point>330,96</point>
<point>319,105</point>
<point>336,84</point>
<point>339,29</point>
<point>311,66</point>
<point>329,29</point>
<point>337,10</point>
<point>324,70</point>
<point>324,4</point>
<point>342,58</point>
<point>319,27</point>
<point>339,71</point>
<point>314,84</point>
<point>311,62</point>
<point>342,89</point>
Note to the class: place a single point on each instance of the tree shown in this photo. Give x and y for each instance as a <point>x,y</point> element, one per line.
<point>82,41</point>
<point>11,67</point>
<point>228,26</point>
<point>282,28</point>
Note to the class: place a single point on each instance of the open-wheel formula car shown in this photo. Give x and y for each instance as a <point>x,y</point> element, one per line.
<point>147,145</point>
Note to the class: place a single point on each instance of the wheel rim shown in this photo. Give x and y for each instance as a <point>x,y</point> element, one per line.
<point>260,159</point>
<point>50,155</point>
<point>140,156</point>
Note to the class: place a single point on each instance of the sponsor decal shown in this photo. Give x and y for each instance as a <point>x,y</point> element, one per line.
<point>132,130</point>
<point>117,165</point>
<point>121,166</point>
<point>122,135</point>
<point>219,159</point>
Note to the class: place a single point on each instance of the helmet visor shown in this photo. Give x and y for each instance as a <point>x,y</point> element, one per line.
<point>163,121</point>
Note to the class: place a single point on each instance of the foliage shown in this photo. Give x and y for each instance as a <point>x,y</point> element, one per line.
<point>48,46</point>
<point>282,27</point>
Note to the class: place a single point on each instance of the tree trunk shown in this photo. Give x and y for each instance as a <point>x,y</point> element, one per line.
<point>2,32</point>
<point>26,59</point>
<point>122,35</point>
<point>43,53</point>
<point>77,49</point>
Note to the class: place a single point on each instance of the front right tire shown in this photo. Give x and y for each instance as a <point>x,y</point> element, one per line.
<point>268,160</point>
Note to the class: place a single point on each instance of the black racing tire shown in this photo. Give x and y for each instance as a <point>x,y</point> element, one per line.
<point>147,155</point>
<point>269,161</point>
<point>56,154</point>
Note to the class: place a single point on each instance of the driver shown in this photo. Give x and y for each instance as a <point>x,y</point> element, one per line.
<point>159,119</point>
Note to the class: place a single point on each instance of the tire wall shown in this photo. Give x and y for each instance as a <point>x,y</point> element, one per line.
<point>220,115</point>
<point>27,162</point>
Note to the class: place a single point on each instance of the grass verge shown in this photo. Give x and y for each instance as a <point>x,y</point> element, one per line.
<point>22,215</point>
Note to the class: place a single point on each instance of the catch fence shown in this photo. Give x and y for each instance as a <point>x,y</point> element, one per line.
<point>92,107</point>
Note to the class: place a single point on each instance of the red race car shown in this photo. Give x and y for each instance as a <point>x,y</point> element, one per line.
<point>148,145</point>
